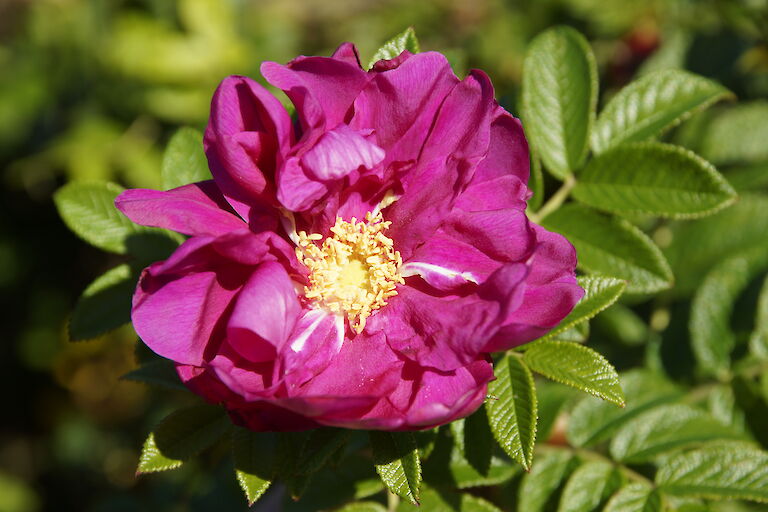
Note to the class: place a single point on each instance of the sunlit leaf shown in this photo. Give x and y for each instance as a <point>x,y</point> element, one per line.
<point>395,46</point>
<point>184,161</point>
<point>397,462</point>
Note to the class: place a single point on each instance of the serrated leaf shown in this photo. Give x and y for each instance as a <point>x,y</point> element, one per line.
<point>594,420</point>
<point>612,246</point>
<point>758,340</point>
<point>104,305</point>
<point>559,94</point>
<point>159,373</point>
<point>512,410</point>
<point>712,339</point>
<point>548,472</point>
<point>635,498</point>
<point>254,456</point>
<point>579,333</point>
<point>406,40</point>
<point>737,135</point>
<point>718,472</point>
<point>577,366</point>
<point>184,161</point>
<point>397,462</point>
<point>599,293</point>
<point>665,428</point>
<point>589,486</point>
<point>655,179</point>
<point>181,435</point>
<point>653,104</point>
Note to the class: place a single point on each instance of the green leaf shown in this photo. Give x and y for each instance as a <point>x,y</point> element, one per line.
<point>612,246</point>
<point>363,506</point>
<point>722,405</point>
<point>538,486</point>
<point>181,435</point>
<point>579,333</point>
<point>711,336</point>
<point>593,420</point>
<point>738,135</point>
<point>665,428</point>
<point>395,46</point>
<point>577,366</point>
<point>589,486</point>
<point>653,104</point>
<point>184,161</point>
<point>445,500</point>
<point>758,341</point>
<point>319,447</point>
<point>478,441</point>
<point>559,98</point>
<point>512,410</point>
<point>553,398</point>
<point>635,498</point>
<point>254,455</point>
<point>717,472</point>
<point>535,183</point>
<point>599,293</point>
<point>653,178</point>
<point>161,372</point>
<point>397,463</point>
<point>104,305</point>
<point>748,178</point>
<point>622,324</point>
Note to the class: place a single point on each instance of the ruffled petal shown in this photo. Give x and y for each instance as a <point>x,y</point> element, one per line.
<point>265,313</point>
<point>296,191</point>
<point>340,151</point>
<point>347,52</point>
<point>508,150</point>
<point>195,209</point>
<point>315,341</point>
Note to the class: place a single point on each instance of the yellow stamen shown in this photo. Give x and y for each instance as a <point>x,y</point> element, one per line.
<point>354,271</point>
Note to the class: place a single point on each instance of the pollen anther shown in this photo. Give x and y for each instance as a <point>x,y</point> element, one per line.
<point>354,271</point>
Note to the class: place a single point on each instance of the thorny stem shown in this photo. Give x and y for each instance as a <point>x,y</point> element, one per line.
<point>555,201</point>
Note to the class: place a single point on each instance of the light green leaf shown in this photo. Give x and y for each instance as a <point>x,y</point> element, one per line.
<point>577,366</point>
<point>758,341</point>
<point>599,293</point>
<point>738,135</point>
<point>363,506</point>
<point>254,455</point>
<point>671,55</point>
<point>397,463</point>
<point>184,161</point>
<point>159,373</point>
<point>721,404</point>
<point>711,336</point>
<point>635,498</point>
<point>665,428</point>
<point>512,410</point>
<point>589,486</point>
<point>538,486</point>
<point>653,104</point>
<point>579,333</point>
<point>535,183</point>
<point>395,46</point>
<point>612,246</point>
<point>623,324</point>
<point>181,435</point>
<point>717,472</point>
<point>748,178</point>
<point>593,420</point>
<point>104,305</point>
<point>655,179</point>
<point>559,98</point>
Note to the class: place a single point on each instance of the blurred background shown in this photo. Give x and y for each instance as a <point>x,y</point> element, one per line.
<point>93,89</point>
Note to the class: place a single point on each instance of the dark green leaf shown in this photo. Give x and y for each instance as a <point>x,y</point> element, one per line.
<point>635,498</point>
<point>589,486</point>
<point>738,135</point>
<point>478,441</point>
<point>612,246</point>
<point>512,409</point>
<point>548,472</point>
<point>254,454</point>
<point>718,472</point>
<point>363,506</point>
<point>184,161</point>
<point>397,463</point>
<point>395,46</point>
<point>758,341</point>
<point>665,428</point>
<point>444,500</point>
<point>319,448</point>
<point>577,366</point>
<point>559,98</point>
<point>181,435</point>
<point>655,179</point>
<point>104,305</point>
<point>653,104</point>
<point>161,372</point>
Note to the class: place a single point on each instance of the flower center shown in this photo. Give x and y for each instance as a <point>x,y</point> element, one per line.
<point>353,272</point>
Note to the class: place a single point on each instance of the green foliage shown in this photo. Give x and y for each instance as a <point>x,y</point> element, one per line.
<point>160,372</point>
<point>599,293</point>
<point>635,497</point>
<point>184,161</point>
<point>395,46</point>
<point>559,98</point>
<point>590,486</point>
<point>254,456</point>
<point>737,135</point>
<point>104,305</point>
<point>538,486</point>
<point>397,462</point>
<point>612,247</point>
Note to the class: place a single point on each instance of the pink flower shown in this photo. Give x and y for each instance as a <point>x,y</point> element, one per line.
<point>356,267</point>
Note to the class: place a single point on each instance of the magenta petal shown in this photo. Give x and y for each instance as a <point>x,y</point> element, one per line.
<point>265,313</point>
<point>347,52</point>
<point>195,209</point>
<point>494,194</point>
<point>508,150</point>
<point>340,151</point>
<point>315,341</point>
<point>504,235</point>
<point>296,191</point>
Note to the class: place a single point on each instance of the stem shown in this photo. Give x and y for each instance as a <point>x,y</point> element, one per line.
<point>555,201</point>
<point>393,500</point>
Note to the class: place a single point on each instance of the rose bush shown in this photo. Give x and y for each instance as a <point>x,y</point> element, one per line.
<point>355,267</point>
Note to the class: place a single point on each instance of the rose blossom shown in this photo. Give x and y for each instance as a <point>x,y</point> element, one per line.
<point>356,267</point>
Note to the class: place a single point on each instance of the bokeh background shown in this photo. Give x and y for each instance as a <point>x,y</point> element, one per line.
<point>93,89</point>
